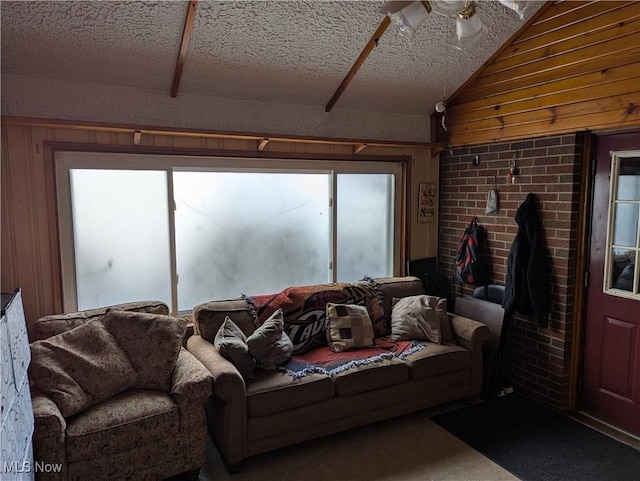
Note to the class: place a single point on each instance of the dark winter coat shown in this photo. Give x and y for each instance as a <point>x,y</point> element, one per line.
<point>528,287</point>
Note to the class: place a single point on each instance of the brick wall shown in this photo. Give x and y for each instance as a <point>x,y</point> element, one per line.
<point>550,168</point>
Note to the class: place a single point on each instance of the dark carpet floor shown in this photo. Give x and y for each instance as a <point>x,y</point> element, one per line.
<point>537,443</point>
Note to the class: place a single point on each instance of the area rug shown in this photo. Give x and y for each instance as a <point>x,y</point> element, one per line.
<point>536,443</point>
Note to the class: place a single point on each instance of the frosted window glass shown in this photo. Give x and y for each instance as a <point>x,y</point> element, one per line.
<point>629,179</point>
<point>249,233</point>
<point>121,235</point>
<point>365,226</point>
<point>626,225</point>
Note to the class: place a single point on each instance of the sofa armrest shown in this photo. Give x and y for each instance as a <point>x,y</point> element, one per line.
<point>468,329</point>
<point>48,434</point>
<point>471,335</point>
<point>227,408</point>
<point>190,379</point>
<point>227,381</point>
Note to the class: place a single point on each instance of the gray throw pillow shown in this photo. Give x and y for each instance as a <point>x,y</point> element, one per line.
<point>269,344</point>
<point>81,367</point>
<point>231,342</point>
<point>413,318</point>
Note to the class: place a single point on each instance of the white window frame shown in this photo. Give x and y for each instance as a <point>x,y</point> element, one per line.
<point>65,161</point>
<point>616,158</point>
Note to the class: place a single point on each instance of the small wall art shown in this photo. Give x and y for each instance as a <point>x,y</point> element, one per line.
<point>426,203</point>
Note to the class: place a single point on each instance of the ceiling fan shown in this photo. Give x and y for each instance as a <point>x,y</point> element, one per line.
<point>408,16</point>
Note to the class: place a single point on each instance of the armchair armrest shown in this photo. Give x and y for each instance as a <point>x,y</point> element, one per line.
<point>48,433</point>
<point>190,379</point>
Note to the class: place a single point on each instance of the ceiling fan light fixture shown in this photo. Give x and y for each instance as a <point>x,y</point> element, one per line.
<point>409,18</point>
<point>447,8</point>
<point>470,30</point>
<point>520,7</point>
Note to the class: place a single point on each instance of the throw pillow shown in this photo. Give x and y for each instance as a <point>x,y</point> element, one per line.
<point>439,304</point>
<point>81,367</point>
<point>152,342</point>
<point>269,344</point>
<point>231,342</point>
<point>348,327</point>
<point>413,318</point>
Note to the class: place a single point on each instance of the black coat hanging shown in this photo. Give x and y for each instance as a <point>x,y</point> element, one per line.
<point>528,286</point>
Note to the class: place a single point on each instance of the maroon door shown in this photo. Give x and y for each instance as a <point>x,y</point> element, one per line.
<point>610,388</point>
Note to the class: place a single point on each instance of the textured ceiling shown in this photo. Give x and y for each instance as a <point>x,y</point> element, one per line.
<point>293,52</point>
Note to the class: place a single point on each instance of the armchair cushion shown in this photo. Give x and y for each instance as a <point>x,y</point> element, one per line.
<point>81,367</point>
<point>152,342</point>
<point>133,418</point>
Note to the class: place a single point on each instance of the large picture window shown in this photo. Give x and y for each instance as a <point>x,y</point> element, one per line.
<point>185,230</point>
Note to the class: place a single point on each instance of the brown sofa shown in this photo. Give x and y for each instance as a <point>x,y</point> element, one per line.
<point>151,430</point>
<point>275,409</point>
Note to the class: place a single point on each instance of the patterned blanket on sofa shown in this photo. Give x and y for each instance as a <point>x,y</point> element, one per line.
<point>304,309</point>
<point>323,360</point>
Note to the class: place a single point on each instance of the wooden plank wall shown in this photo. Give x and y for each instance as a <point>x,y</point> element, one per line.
<point>576,67</point>
<point>29,243</point>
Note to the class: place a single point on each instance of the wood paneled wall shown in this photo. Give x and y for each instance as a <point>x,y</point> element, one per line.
<point>575,67</point>
<point>29,242</point>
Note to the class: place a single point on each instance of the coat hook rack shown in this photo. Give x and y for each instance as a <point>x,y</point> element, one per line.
<point>514,171</point>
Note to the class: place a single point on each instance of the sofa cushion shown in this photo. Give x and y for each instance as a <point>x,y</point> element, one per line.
<point>81,367</point>
<point>48,326</point>
<point>418,317</point>
<point>152,342</point>
<point>273,392</point>
<point>231,342</point>
<point>369,376</point>
<point>269,344</point>
<point>348,327</point>
<point>437,359</point>
<point>133,418</point>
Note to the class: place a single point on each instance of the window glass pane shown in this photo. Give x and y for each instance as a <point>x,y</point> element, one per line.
<point>249,233</point>
<point>626,225</point>
<point>365,226</point>
<point>622,269</point>
<point>629,179</point>
<point>121,236</point>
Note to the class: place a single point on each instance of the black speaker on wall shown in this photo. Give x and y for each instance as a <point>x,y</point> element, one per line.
<point>426,269</point>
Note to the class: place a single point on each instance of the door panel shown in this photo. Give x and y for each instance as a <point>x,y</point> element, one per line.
<point>611,375</point>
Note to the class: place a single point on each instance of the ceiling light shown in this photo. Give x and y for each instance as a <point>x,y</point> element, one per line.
<point>409,18</point>
<point>519,7</point>
<point>470,30</point>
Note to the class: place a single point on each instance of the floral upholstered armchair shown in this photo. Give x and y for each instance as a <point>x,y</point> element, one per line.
<point>116,396</point>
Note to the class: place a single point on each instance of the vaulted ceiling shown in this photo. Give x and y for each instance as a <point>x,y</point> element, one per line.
<point>282,52</point>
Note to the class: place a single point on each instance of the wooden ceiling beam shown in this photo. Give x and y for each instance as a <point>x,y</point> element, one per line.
<point>184,47</point>
<point>373,41</point>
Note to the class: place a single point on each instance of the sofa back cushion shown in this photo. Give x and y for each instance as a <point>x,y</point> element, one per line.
<point>48,326</point>
<point>81,367</point>
<point>152,342</point>
<point>208,317</point>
